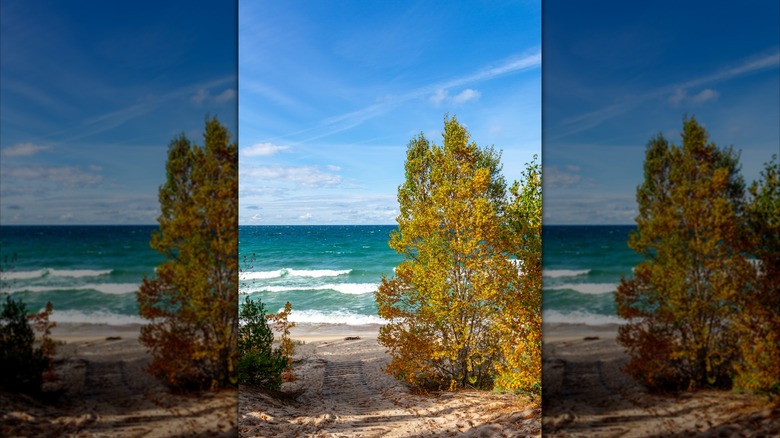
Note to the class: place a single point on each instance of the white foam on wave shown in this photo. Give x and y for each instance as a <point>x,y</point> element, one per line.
<point>580,317</point>
<point>288,272</point>
<point>335,317</point>
<point>344,288</point>
<point>105,288</point>
<point>70,273</point>
<point>557,273</point>
<point>587,288</point>
<point>98,317</point>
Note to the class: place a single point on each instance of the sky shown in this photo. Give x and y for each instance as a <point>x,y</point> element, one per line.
<point>617,73</point>
<point>92,93</point>
<point>331,93</point>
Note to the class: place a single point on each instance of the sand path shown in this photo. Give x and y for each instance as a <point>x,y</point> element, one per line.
<point>343,392</point>
<point>587,394</point>
<point>105,392</point>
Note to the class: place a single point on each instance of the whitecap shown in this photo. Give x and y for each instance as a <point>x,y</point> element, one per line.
<point>579,317</point>
<point>97,317</point>
<point>587,288</point>
<point>288,272</point>
<point>334,317</point>
<point>344,288</point>
<point>557,273</point>
<point>105,288</point>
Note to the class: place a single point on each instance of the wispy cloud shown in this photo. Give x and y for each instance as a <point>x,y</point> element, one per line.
<point>466,95</point>
<point>23,149</point>
<point>68,176</point>
<point>674,93</point>
<point>226,96</point>
<point>555,176</point>
<point>342,122</point>
<point>307,176</point>
<point>263,150</point>
<point>705,95</point>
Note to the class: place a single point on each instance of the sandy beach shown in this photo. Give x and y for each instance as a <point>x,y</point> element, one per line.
<point>341,390</point>
<point>586,394</point>
<point>102,390</point>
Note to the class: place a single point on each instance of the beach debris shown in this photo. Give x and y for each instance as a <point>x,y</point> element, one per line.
<point>352,338</point>
<point>113,338</point>
<point>590,338</point>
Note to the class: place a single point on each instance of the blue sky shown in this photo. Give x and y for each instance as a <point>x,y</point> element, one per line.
<point>331,93</point>
<point>91,93</point>
<point>617,73</point>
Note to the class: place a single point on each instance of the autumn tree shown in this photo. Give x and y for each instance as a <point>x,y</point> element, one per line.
<point>192,303</point>
<point>760,366</point>
<point>681,304</point>
<point>519,326</point>
<point>447,304</point>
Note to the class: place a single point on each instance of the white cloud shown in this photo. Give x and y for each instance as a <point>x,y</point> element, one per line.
<point>62,176</point>
<point>554,176</point>
<point>705,95</point>
<point>439,96</point>
<point>466,95</point>
<point>308,176</point>
<point>305,217</point>
<point>226,95</point>
<point>333,168</point>
<point>678,96</point>
<point>23,149</point>
<point>263,150</point>
<point>200,96</point>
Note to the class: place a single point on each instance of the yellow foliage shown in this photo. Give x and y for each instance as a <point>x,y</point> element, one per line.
<point>459,312</point>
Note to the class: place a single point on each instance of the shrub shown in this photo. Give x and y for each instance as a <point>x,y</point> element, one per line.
<point>259,363</point>
<point>22,363</point>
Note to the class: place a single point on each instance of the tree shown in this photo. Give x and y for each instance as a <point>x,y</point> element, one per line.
<point>681,304</point>
<point>447,304</point>
<point>193,301</point>
<point>760,367</point>
<point>519,326</point>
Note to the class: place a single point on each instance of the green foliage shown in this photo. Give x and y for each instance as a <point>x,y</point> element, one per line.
<point>192,303</point>
<point>760,368</point>
<point>287,347</point>
<point>683,300</point>
<point>259,363</point>
<point>455,305</point>
<point>22,363</point>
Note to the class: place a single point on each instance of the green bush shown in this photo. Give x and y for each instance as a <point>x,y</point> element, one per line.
<point>259,363</point>
<point>21,362</point>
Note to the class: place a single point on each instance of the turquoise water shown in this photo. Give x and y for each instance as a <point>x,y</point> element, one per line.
<point>89,273</point>
<point>582,266</point>
<point>328,273</point>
